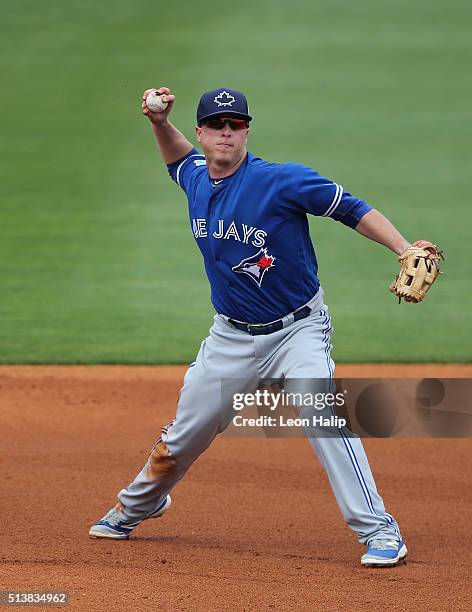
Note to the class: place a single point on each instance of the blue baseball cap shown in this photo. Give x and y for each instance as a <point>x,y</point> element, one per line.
<point>223,102</point>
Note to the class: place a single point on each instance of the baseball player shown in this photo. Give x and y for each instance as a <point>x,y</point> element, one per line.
<point>249,219</point>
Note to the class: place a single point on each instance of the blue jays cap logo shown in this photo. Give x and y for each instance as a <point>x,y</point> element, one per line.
<point>222,102</point>
<point>256,266</point>
<point>224,99</point>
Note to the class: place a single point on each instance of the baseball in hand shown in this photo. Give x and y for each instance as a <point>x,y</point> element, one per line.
<point>155,103</point>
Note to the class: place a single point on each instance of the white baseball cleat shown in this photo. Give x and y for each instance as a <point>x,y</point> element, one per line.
<point>110,525</point>
<point>384,553</point>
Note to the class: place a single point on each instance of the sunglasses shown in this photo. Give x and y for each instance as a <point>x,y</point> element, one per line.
<point>218,124</point>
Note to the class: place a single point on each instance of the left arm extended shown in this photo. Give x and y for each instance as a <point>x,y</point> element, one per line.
<point>375,226</point>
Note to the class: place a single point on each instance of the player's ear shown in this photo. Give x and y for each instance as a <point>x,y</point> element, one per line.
<point>198,132</point>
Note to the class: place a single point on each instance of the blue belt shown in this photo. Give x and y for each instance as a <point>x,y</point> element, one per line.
<point>262,329</point>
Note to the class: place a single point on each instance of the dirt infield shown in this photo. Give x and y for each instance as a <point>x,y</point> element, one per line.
<point>254,524</point>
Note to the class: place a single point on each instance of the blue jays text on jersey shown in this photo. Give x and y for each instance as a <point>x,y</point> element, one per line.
<point>252,230</point>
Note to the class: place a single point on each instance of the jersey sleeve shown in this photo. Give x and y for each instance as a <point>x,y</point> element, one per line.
<point>303,190</point>
<point>185,170</point>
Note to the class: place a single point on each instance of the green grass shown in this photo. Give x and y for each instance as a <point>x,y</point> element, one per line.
<point>97,262</point>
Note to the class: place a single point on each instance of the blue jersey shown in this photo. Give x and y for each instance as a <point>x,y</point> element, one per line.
<point>252,230</point>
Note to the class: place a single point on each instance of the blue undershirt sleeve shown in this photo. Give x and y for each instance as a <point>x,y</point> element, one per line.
<point>350,210</point>
<point>183,170</point>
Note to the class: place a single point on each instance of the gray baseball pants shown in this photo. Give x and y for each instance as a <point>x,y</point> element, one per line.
<point>301,350</point>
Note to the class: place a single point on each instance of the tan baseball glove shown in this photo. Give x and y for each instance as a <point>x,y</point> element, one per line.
<point>419,268</point>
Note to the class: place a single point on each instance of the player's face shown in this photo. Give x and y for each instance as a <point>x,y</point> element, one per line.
<point>223,140</point>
